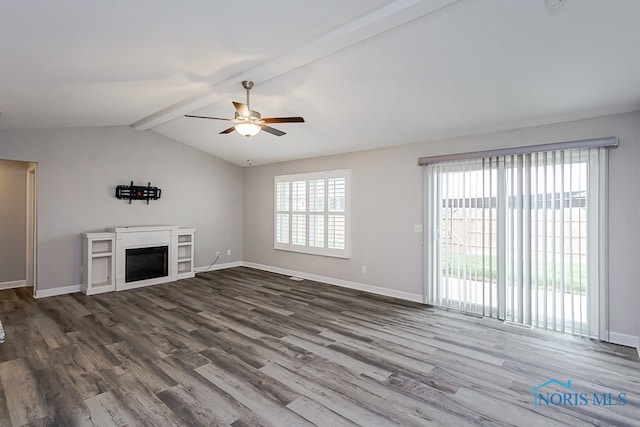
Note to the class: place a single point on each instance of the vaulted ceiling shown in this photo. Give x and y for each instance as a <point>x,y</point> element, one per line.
<point>363,73</point>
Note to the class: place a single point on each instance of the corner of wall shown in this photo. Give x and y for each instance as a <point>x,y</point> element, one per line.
<point>625,340</point>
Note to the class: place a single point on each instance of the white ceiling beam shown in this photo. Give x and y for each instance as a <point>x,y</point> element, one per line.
<point>384,19</point>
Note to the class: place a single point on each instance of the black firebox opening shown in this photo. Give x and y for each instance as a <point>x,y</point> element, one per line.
<point>146,263</point>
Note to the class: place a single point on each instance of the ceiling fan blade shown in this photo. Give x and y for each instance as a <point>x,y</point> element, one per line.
<point>272,131</point>
<point>231,129</point>
<point>206,117</point>
<point>242,109</point>
<point>284,120</point>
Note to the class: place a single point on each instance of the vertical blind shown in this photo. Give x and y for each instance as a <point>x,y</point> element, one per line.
<point>519,237</point>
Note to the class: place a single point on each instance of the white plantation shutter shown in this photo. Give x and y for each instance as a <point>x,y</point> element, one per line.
<point>299,196</point>
<point>316,213</point>
<point>298,229</point>
<point>282,228</point>
<point>298,210</point>
<point>316,195</point>
<point>336,218</point>
<point>316,231</point>
<point>336,232</point>
<point>312,213</point>
<point>520,237</point>
<point>282,212</point>
<point>337,193</point>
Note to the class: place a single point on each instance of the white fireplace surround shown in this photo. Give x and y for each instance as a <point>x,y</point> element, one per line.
<point>104,267</point>
<point>145,237</point>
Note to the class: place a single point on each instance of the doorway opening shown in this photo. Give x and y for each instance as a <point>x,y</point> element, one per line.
<point>18,197</point>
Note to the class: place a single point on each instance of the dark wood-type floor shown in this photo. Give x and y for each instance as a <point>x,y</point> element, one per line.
<point>243,347</point>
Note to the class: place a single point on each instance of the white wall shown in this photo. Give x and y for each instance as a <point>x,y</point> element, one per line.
<point>78,170</point>
<point>13,220</point>
<point>387,202</point>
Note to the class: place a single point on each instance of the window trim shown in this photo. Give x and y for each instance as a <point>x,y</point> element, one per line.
<point>310,176</point>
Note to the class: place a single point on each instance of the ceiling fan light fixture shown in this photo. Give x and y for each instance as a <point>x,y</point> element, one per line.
<point>249,122</point>
<point>247,129</point>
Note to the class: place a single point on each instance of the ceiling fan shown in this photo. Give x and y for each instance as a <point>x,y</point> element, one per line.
<point>249,122</point>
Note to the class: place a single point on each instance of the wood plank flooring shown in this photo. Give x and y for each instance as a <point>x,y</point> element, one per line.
<point>242,347</point>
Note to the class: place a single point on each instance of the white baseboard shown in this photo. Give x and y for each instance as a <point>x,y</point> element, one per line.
<point>78,288</point>
<point>339,282</point>
<point>42,293</point>
<point>13,284</point>
<point>219,266</point>
<point>323,279</point>
<point>626,340</point>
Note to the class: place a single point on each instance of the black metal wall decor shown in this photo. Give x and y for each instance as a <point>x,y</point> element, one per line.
<point>136,192</point>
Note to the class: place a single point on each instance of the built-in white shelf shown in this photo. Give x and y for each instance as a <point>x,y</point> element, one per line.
<point>185,252</point>
<point>98,270</point>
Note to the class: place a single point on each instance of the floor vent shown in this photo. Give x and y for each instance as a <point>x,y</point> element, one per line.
<point>297,279</point>
<point>518,325</point>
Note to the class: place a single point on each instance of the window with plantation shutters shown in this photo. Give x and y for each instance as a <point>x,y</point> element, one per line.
<point>311,213</point>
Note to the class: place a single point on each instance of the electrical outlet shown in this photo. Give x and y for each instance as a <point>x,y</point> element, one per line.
<point>218,253</point>
<point>228,251</point>
<point>364,269</point>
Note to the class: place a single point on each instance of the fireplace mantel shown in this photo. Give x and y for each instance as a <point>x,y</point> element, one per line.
<point>104,268</point>
<point>144,229</point>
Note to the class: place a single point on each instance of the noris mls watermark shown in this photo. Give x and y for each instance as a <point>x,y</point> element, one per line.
<point>557,393</point>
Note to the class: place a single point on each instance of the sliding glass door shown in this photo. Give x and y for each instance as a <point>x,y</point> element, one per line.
<point>517,237</point>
